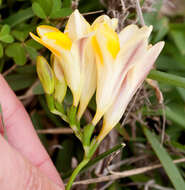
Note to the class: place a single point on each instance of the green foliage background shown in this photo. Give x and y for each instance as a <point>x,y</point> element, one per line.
<point>17,62</point>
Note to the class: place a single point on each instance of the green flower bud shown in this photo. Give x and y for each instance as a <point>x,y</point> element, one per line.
<point>45,74</point>
<point>60,83</point>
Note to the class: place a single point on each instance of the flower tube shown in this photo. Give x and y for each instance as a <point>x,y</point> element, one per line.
<point>115,56</point>
<point>133,80</point>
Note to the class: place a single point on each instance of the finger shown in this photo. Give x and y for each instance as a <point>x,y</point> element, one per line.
<point>21,134</point>
<point>16,171</point>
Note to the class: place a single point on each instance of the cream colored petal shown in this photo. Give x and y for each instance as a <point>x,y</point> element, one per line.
<point>77,27</point>
<point>113,23</point>
<point>89,84</point>
<point>132,82</point>
<point>72,64</point>
<point>43,29</point>
<point>131,31</point>
<point>127,33</point>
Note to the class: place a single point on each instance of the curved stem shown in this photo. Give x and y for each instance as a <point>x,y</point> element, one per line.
<point>75,173</point>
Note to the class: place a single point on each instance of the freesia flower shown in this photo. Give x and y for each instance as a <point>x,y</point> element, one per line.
<point>115,54</point>
<point>68,47</point>
<point>74,51</point>
<point>131,82</point>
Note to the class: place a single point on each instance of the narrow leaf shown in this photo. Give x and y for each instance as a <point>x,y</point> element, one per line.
<point>167,78</point>
<point>170,168</point>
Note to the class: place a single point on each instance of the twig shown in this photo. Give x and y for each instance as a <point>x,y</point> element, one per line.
<point>107,185</point>
<point>29,92</point>
<point>93,12</point>
<point>9,70</point>
<point>139,13</point>
<point>126,161</point>
<point>55,131</point>
<point>125,173</point>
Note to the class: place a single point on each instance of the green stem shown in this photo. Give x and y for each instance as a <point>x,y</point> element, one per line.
<point>75,173</point>
<point>73,122</point>
<point>87,157</point>
<point>51,105</point>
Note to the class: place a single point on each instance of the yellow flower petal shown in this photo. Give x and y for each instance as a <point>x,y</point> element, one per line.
<point>97,49</point>
<point>112,40</point>
<point>47,45</point>
<point>60,39</point>
<point>43,29</point>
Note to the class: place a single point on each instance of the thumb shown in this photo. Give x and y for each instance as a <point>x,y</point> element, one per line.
<point>17,172</point>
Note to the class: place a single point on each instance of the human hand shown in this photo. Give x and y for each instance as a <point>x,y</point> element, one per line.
<point>24,163</point>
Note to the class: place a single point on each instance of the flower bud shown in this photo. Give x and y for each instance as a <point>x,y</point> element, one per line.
<point>45,74</point>
<point>60,83</point>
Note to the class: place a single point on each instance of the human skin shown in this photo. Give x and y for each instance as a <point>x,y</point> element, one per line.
<point>24,163</point>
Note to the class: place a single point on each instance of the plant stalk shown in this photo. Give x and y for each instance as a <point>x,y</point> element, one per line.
<point>76,171</point>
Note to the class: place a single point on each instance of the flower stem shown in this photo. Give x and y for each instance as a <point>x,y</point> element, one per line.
<point>75,173</point>
<point>88,154</point>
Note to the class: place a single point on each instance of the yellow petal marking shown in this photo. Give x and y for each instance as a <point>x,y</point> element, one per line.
<point>112,39</point>
<point>39,40</point>
<point>97,49</point>
<point>60,38</point>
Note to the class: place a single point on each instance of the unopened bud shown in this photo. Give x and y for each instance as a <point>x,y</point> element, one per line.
<point>45,74</point>
<point>60,83</point>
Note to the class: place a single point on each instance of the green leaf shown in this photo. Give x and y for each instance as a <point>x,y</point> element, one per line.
<point>20,82</point>
<point>46,5</point>
<point>55,7</point>
<point>170,168</point>
<point>66,3</point>
<point>181,91</point>
<point>162,29</point>
<point>174,116</point>
<point>38,90</point>
<point>179,39</point>
<point>19,17</point>
<point>20,35</point>
<point>64,156</point>
<point>167,78</point>
<point>32,52</point>
<point>5,30</point>
<point>37,9</point>
<point>17,52</point>
<point>1,50</point>
<point>37,122</point>
<point>32,43</point>
<point>61,13</point>
<point>6,38</point>
<point>4,34</point>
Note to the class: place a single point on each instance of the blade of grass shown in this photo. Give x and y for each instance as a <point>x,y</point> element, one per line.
<point>170,168</point>
<point>167,78</point>
<point>97,159</point>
